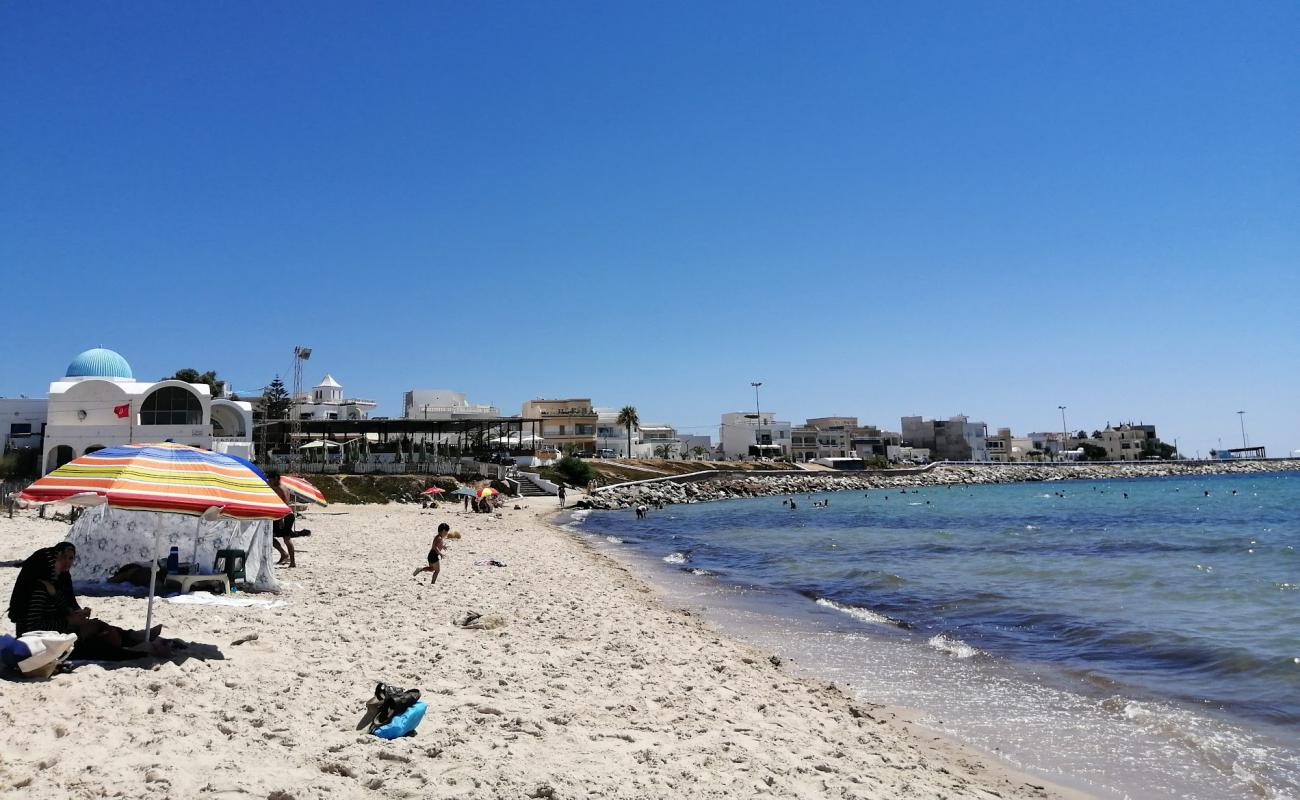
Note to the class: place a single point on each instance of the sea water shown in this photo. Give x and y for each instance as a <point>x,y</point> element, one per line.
<point>1132,638</point>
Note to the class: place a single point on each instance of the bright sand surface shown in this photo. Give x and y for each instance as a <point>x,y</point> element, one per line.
<point>589,687</point>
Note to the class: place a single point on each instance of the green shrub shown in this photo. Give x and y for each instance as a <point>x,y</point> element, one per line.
<point>574,471</point>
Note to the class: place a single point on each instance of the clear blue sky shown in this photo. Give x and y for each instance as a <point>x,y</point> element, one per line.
<point>875,208</point>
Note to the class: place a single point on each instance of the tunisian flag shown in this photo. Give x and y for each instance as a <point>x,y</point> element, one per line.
<point>123,410</point>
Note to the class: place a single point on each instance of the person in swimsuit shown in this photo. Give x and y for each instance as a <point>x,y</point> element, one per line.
<point>436,551</point>
<point>281,528</point>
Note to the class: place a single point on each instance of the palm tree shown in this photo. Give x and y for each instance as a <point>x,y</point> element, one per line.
<point>628,418</point>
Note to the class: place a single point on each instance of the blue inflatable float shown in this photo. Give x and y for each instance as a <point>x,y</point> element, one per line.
<point>403,723</point>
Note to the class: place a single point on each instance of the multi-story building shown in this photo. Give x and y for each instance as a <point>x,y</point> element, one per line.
<point>326,401</point>
<point>747,434</point>
<point>660,441</point>
<point>567,423</point>
<point>98,403</point>
<point>1000,447</point>
<point>953,439</point>
<point>444,404</point>
<point>1125,442</point>
<point>610,435</point>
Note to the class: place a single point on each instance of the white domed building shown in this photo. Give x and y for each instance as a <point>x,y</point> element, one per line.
<point>99,403</point>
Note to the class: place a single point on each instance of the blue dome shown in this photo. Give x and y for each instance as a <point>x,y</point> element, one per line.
<point>99,363</point>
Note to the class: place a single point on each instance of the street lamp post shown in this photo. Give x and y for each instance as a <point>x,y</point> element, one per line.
<point>758,420</point>
<point>1064,434</point>
<point>1241,416</point>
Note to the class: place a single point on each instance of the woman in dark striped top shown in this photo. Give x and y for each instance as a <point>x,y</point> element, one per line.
<point>43,600</point>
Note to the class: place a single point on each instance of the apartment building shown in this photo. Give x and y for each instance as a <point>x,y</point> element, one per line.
<point>567,423</point>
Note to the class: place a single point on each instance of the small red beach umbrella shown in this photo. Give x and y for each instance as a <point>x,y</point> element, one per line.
<point>434,490</point>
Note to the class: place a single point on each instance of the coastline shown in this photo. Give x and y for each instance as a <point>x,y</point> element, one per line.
<point>583,684</point>
<point>686,489</point>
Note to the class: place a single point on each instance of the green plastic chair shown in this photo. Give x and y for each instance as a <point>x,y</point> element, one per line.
<point>231,562</point>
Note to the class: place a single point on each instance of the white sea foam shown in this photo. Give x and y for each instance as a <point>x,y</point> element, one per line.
<point>916,504</point>
<point>675,558</point>
<point>863,614</point>
<point>613,540</point>
<point>953,646</point>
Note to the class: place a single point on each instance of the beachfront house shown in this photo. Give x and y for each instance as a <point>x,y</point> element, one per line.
<point>953,439</point>
<point>98,403</point>
<point>568,423</point>
<point>747,434</point>
<point>611,436</point>
<point>659,441</point>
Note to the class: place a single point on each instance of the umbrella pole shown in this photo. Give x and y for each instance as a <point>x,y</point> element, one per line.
<point>153,579</point>
<point>198,534</point>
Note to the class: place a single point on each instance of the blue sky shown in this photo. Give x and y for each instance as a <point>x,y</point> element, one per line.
<point>876,209</point>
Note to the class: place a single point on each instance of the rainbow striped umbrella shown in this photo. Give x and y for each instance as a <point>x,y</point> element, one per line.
<point>487,491</point>
<point>161,477</point>
<point>303,489</point>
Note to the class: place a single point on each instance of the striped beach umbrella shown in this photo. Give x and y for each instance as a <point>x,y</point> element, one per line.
<point>165,477</point>
<point>161,477</point>
<point>487,491</point>
<point>302,489</point>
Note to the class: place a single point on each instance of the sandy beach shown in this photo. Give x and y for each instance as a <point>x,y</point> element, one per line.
<point>580,684</point>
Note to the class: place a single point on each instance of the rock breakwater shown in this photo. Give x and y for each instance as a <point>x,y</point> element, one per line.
<point>730,486</point>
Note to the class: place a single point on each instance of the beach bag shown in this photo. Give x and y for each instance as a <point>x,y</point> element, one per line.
<point>388,704</point>
<point>37,654</point>
<point>402,724</point>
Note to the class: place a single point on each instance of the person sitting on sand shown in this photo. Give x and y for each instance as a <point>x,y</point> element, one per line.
<point>436,551</point>
<point>43,600</point>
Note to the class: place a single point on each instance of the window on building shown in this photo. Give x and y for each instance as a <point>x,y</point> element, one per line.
<point>332,415</point>
<point>20,428</point>
<point>171,405</point>
<point>584,430</point>
<point>305,415</point>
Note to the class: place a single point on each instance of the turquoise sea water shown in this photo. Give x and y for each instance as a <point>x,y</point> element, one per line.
<point>1136,638</point>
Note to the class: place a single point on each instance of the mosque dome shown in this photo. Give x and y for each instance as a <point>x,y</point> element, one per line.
<point>99,363</point>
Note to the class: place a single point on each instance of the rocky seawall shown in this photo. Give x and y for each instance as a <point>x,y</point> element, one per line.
<point>738,485</point>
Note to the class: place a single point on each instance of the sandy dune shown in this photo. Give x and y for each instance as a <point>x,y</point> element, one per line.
<point>589,687</point>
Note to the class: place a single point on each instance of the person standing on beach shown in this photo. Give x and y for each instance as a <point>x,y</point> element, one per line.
<point>561,495</point>
<point>436,551</point>
<point>282,527</point>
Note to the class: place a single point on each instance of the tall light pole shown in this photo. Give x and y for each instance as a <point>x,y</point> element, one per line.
<point>1241,416</point>
<point>1064,434</point>
<point>758,420</point>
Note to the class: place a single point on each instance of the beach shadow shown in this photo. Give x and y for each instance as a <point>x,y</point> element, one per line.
<point>198,651</point>
<point>12,564</point>
<point>194,650</point>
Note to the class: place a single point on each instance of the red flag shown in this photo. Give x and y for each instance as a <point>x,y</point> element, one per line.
<point>123,410</point>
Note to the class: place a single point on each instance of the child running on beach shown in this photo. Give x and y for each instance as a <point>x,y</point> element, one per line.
<point>436,550</point>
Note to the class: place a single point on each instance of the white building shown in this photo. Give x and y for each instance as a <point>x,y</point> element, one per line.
<point>612,436</point>
<point>690,442</point>
<point>21,421</point>
<point>660,441</point>
<point>444,404</point>
<point>326,401</point>
<point>742,430</point>
<point>98,403</point>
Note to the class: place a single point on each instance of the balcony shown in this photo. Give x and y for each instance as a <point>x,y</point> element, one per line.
<point>569,412</point>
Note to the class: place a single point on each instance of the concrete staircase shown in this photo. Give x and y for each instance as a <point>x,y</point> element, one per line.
<point>529,489</point>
